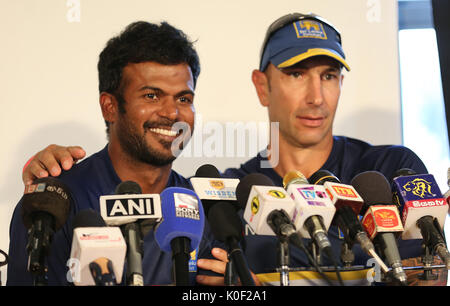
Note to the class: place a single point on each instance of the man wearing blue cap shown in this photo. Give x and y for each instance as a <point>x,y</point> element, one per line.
<point>299,81</point>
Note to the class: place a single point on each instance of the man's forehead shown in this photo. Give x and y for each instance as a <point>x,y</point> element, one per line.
<point>146,71</point>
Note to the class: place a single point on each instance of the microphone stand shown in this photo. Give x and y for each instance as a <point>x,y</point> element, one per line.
<point>230,273</point>
<point>347,256</point>
<point>39,239</point>
<point>283,261</point>
<point>239,262</point>
<point>180,258</point>
<point>427,260</point>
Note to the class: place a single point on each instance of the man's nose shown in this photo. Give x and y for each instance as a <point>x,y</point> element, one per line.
<point>315,94</point>
<point>169,109</point>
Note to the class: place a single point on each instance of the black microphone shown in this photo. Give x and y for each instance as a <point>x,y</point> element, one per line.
<point>227,228</point>
<point>381,219</point>
<point>211,187</point>
<point>133,237</point>
<point>223,218</point>
<point>45,208</point>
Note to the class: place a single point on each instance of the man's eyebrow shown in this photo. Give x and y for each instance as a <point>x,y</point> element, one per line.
<point>160,91</point>
<point>185,92</point>
<point>333,69</point>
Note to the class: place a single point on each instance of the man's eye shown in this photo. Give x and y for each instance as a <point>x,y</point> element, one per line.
<point>330,76</point>
<point>151,96</point>
<point>185,100</point>
<point>296,74</point>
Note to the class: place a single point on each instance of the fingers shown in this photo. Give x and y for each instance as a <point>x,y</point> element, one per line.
<point>34,170</point>
<point>220,254</point>
<point>68,156</point>
<point>214,265</point>
<point>217,265</point>
<point>50,160</point>
<point>210,280</point>
<point>77,152</point>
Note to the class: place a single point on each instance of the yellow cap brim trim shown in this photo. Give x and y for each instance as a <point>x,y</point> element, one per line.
<point>310,53</point>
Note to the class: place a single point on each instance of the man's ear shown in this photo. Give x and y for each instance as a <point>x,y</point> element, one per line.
<point>108,104</point>
<point>261,83</point>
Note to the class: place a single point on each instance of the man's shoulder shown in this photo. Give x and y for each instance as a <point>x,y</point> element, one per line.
<point>253,165</point>
<point>352,156</point>
<point>367,150</point>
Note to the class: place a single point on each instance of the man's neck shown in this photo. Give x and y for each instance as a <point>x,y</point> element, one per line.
<point>307,160</point>
<point>152,179</point>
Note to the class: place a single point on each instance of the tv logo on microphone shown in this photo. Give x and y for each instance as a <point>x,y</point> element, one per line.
<point>118,208</point>
<point>313,196</point>
<point>186,206</point>
<point>419,187</point>
<point>126,207</point>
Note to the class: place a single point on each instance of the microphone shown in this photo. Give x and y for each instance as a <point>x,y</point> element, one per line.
<point>181,228</point>
<point>210,187</point>
<point>227,228</point>
<point>98,252</point>
<point>133,212</point>
<point>258,197</point>
<point>218,196</point>
<point>381,219</point>
<point>261,201</point>
<point>423,210</point>
<point>314,210</point>
<point>348,204</point>
<point>45,208</point>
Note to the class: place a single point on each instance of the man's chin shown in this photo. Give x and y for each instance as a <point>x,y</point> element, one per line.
<point>159,160</point>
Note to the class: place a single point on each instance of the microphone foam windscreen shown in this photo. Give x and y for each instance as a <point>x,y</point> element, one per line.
<point>128,187</point>
<point>48,195</point>
<point>182,216</point>
<point>403,172</point>
<point>207,170</point>
<point>225,222</point>
<point>88,218</point>
<point>321,176</point>
<point>373,187</point>
<point>245,186</point>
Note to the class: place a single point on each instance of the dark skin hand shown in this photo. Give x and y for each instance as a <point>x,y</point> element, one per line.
<point>51,161</point>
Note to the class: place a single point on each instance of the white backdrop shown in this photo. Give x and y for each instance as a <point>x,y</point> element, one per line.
<point>48,77</point>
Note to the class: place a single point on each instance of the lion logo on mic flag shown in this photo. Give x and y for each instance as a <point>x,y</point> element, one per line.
<point>419,187</point>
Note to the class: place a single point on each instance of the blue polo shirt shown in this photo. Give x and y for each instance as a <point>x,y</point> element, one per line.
<point>348,158</point>
<point>87,181</point>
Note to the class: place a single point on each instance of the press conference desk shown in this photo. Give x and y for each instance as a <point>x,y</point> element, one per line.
<point>414,269</point>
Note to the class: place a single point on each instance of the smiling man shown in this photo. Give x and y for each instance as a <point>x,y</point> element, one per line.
<point>147,77</point>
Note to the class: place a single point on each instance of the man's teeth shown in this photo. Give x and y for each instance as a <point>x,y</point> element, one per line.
<point>164,132</point>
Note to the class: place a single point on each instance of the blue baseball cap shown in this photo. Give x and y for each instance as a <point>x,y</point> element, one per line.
<point>296,37</point>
